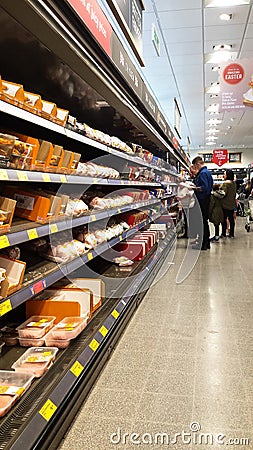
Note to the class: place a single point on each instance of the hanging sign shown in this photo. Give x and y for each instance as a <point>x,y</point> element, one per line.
<point>236,83</point>
<point>220,157</point>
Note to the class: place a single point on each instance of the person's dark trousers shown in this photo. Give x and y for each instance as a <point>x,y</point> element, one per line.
<point>217,230</point>
<point>228,213</point>
<point>204,206</point>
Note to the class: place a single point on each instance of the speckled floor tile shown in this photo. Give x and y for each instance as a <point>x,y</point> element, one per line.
<point>183,345</point>
<point>247,366</point>
<point>213,383</point>
<point>128,379</point>
<point>159,435</point>
<point>165,408</point>
<point>171,383</point>
<point>91,434</point>
<point>136,360</point>
<point>108,403</point>
<point>222,412</point>
<point>177,362</point>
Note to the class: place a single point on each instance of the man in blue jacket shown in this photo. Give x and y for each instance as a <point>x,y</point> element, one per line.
<point>204,185</point>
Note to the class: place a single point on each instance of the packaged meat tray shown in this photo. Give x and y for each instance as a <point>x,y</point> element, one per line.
<point>36,360</point>
<point>12,386</point>
<point>50,340</point>
<point>35,327</point>
<point>69,327</point>
<point>25,342</point>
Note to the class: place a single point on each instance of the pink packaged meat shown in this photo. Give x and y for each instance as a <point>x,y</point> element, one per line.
<point>12,386</point>
<point>56,342</point>
<point>25,342</point>
<point>35,327</point>
<point>36,360</point>
<point>69,327</point>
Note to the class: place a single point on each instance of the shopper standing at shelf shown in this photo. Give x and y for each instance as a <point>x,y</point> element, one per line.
<point>216,211</point>
<point>204,185</point>
<point>228,203</point>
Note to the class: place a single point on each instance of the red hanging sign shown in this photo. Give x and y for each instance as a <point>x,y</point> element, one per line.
<point>220,157</point>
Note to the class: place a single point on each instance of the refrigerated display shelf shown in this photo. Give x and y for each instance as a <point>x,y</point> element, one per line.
<point>44,177</point>
<point>20,113</point>
<point>32,230</point>
<point>86,356</point>
<point>58,271</point>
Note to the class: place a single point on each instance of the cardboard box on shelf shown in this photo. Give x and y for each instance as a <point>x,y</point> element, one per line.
<point>95,285</point>
<point>55,162</point>
<point>61,116</point>
<point>7,208</point>
<point>74,164</point>
<point>12,93</point>
<point>49,110</point>
<point>15,271</point>
<point>32,102</point>
<point>67,162</point>
<point>62,303</point>
<point>34,207</point>
<point>44,156</point>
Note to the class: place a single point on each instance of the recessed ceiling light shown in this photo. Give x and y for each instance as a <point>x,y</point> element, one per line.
<point>225,16</point>
<point>212,130</point>
<point>211,143</point>
<point>229,127</point>
<point>214,88</point>
<point>211,138</point>
<point>215,68</point>
<point>214,95</point>
<point>213,122</point>
<point>213,108</point>
<point>222,47</point>
<point>220,56</point>
<point>221,3</point>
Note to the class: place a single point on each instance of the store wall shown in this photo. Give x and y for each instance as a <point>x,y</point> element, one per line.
<point>246,159</point>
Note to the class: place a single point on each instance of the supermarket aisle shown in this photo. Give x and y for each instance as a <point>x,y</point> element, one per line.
<point>186,356</point>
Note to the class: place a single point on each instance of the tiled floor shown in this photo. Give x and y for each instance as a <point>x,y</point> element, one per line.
<point>185,360</point>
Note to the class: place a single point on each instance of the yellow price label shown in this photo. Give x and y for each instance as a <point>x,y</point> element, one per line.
<point>122,182</point>
<point>94,345</point>
<point>95,181</point>
<point>48,410</point>
<point>53,228</point>
<point>20,391</point>
<point>90,256</point>
<point>121,238</point>
<point>22,176</point>
<point>5,307</point>
<point>77,368</point>
<point>46,178</point>
<point>3,174</point>
<point>63,178</point>
<point>129,182</point>
<point>115,314</point>
<point>103,330</point>
<point>119,210</point>
<point>32,234</point>
<point>4,242</point>
<point>93,218</point>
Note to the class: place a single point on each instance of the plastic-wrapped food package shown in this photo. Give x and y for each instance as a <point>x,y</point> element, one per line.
<point>36,360</point>
<point>69,327</point>
<point>12,386</point>
<point>9,336</point>
<point>25,342</point>
<point>35,327</point>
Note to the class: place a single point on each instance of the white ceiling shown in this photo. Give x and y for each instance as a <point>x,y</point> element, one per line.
<point>187,32</point>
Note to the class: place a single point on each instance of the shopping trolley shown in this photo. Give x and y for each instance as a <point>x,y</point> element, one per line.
<point>249,211</point>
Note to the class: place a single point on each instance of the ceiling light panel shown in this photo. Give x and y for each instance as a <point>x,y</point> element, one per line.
<point>220,56</point>
<point>226,17</point>
<point>223,3</point>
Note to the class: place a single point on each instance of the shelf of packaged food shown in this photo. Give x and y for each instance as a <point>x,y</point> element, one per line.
<point>40,121</point>
<point>78,370</point>
<point>120,154</point>
<point>34,230</point>
<point>60,270</point>
<point>43,177</point>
